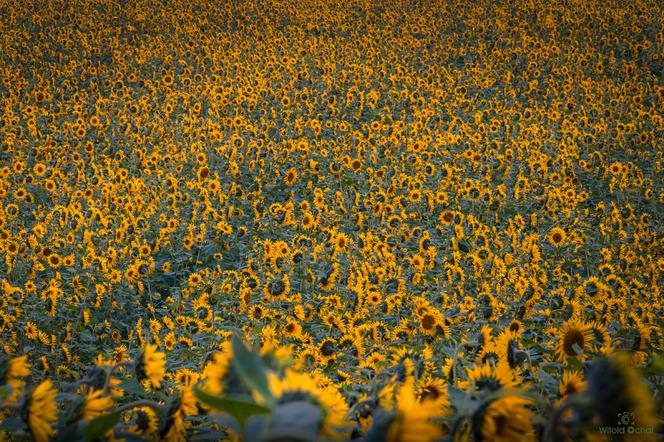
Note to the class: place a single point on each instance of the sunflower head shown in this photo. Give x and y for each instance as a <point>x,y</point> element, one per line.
<point>614,387</point>
<point>314,389</point>
<point>146,421</point>
<point>41,411</point>
<point>95,404</point>
<point>151,366</point>
<point>14,368</point>
<point>411,416</point>
<point>574,337</point>
<point>506,418</point>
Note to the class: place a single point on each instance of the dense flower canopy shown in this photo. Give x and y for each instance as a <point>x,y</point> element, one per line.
<point>424,219</point>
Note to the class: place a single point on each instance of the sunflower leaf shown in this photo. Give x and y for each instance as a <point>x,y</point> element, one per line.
<point>98,426</point>
<point>250,368</point>
<point>301,417</point>
<point>240,409</point>
<point>577,349</point>
<point>5,392</point>
<point>12,424</point>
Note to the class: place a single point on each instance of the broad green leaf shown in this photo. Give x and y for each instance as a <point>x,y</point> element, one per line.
<point>578,350</point>
<point>12,424</point>
<point>250,368</point>
<point>98,426</point>
<point>300,417</point>
<point>240,409</point>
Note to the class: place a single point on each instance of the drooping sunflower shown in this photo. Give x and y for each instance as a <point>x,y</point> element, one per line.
<point>42,411</point>
<point>183,404</point>
<point>11,372</point>
<point>15,368</point>
<point>151,365</point>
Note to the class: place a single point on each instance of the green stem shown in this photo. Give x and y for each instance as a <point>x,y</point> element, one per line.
<point>141,403</point>
<point>107,383</point>
<point>577,402</point>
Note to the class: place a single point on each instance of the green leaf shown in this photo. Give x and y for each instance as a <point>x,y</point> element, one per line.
<point>5,392</point>
<point>100,425</point>
<point>250,368</point>
<point>548,381</point>
<point>300,416</point>
<point>578,350</point>
<point>12,424</point>
<point>461,401</point>
<point>240,409</point>
<point>132,386</point>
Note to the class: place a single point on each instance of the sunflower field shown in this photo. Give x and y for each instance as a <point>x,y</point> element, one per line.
<point>272,220</point>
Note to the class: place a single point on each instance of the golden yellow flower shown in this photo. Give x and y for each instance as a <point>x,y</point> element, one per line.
<point>95,404</point>
<point>146,421</point>
<point>412,422</point>
<point>42,411</point>
<point>507,419</point>
<point>151,365</point>
<point>312,388</point>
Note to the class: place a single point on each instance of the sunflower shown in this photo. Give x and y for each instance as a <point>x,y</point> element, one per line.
<point>614,388</point>
<point>487,378</point>
<point>215,371</point>
<point>146,421</point>
<point>508,346</point>
<point>15,368</point>
<point>557,236</point>
<point>571,382</point>
<point>186,377</point>
<point>292,329</point>
<point>278,287</point>
<point>42,411</point>
<point>182,405</point>
<point>505,419</point>
<point>573,336</point>
<point>95,404</point>
<point>151,365</point>
<point>11,372</point>
<point>413,414</point>
<point>294,386</point>
<point>291,177</point>
<point>327,351</point>
<point>341,242</point>
<point>433,389</point>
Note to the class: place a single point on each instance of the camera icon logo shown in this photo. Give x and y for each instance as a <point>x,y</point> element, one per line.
<point>626,418</point>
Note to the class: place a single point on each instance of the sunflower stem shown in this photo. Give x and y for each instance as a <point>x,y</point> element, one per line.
<point>107,383</point>
<point>577,402</point>
<point>141,403</point>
